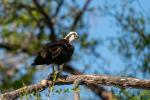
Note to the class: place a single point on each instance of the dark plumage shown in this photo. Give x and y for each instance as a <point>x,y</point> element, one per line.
<point>55,52</point>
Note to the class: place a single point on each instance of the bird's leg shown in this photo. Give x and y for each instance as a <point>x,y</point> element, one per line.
<point>55,73</point>
<point>50,76</point>
<point>60,69</point>
<point>55,76</point>
<point>53,69</point>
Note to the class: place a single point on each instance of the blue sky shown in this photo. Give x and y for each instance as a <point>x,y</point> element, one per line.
<point>104,27</point>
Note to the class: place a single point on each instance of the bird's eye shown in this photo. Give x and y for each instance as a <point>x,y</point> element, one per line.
<point>77,37</point>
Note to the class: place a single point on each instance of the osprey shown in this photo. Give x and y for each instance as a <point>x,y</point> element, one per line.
<point>56,52</point>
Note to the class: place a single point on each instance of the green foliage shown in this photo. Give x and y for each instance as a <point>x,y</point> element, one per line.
<point>127,94</point>
<point>59,91</point>
<point>67,90</point>
<point>87,44</point>
<point>11,83</point>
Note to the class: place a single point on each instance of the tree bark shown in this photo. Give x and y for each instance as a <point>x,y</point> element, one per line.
<point>122,82</point>
<point>97,89</point>
<point>76,89</point>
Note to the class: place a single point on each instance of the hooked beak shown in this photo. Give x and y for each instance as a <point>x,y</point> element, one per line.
<point>77,37</point>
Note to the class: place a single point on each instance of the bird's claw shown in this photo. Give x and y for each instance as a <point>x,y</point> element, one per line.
<point>51,76</point>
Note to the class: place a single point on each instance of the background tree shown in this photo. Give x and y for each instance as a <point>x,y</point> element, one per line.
<point>26,25</point>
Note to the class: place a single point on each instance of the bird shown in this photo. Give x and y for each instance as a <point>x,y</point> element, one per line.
<point>56,52</point>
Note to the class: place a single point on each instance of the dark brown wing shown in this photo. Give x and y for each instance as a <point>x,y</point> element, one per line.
<point>52,52</point>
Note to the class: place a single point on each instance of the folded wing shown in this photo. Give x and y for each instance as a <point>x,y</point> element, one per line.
<point>56,52</point>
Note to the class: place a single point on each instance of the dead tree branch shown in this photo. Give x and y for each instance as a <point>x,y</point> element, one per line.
<point>47,19</point>
<point>79,15</point>
<point>123,82</point>
<point>97,89</point>
<point>60,3</point>
<point>76,89</point>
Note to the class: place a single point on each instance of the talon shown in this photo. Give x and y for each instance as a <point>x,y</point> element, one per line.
<point>56,72</point>
<point>50,76</point>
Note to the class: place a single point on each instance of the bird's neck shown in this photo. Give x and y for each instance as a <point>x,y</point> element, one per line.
<point>69,39</point>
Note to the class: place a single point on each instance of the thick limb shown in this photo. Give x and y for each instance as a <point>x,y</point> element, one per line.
<point>76,89</point>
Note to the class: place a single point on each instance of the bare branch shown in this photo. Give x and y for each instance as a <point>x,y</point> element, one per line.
<point>76,89</point>
<point>6,46</point>
<point>60,3</point>
<point>47,19</point>
<point>97,89</point>
<point>79,15</point>
<point>18,48</point>
<point>123,82</point>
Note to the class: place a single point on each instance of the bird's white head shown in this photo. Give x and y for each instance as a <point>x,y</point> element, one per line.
<point>71,36</point>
